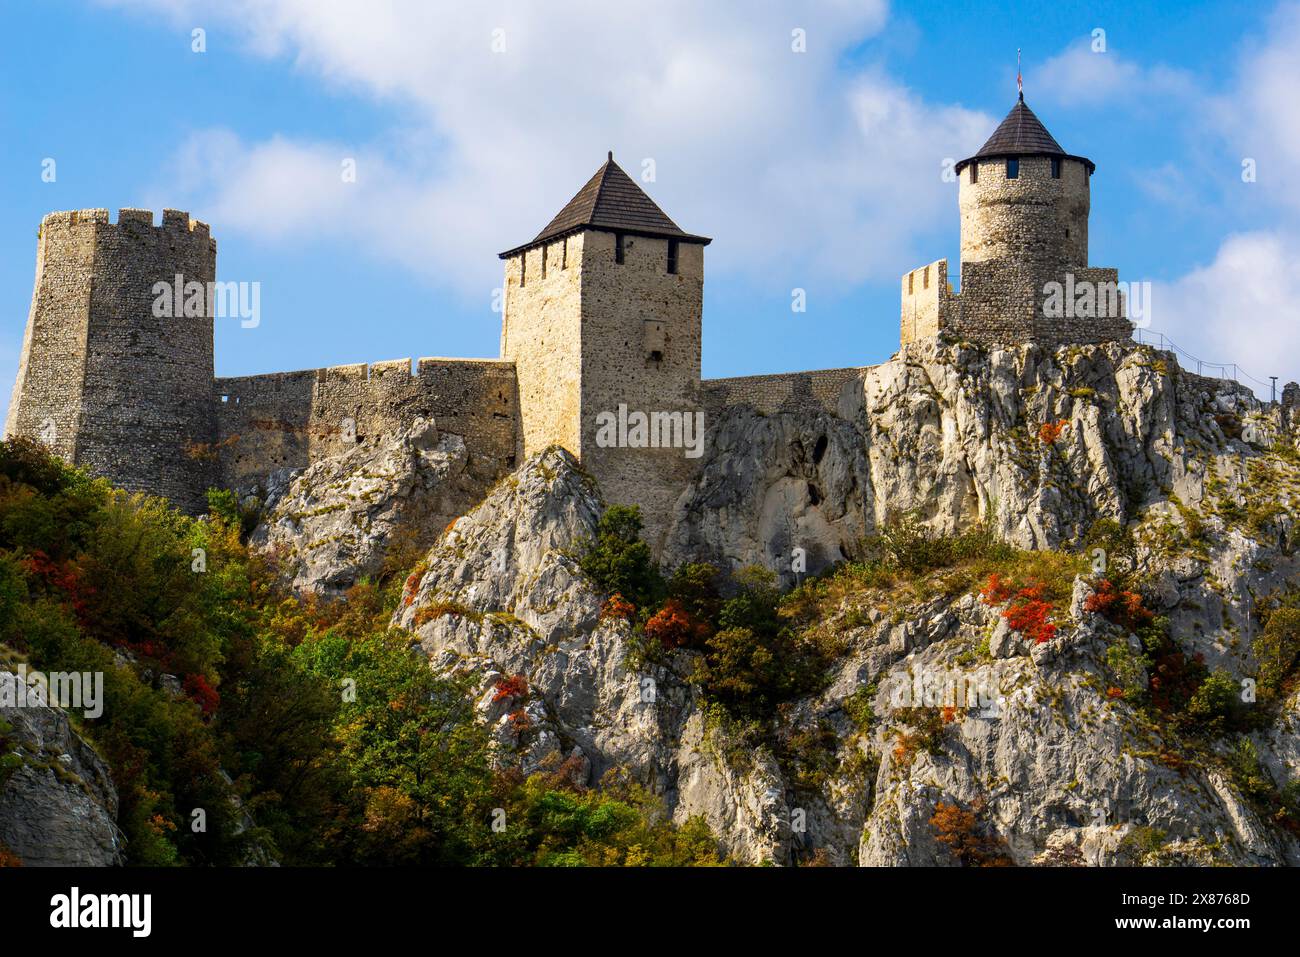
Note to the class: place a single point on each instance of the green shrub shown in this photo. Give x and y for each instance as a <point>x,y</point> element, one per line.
<point>755,660</point>
<point>618,561</point>
<point>907,545</point>
<point>1276,648</point>
<point>1215,701</point>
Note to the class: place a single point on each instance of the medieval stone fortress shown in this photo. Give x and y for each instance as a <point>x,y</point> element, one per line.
<point>601,324</point>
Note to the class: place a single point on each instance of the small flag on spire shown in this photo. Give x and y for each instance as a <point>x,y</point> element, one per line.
<point>1020,83</point>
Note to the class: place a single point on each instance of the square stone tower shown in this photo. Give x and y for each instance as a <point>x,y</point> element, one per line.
<point>106,380</point>
<point>602,319</point>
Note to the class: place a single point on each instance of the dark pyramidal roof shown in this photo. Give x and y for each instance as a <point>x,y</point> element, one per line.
<point>1022,134</point>
<point>611,201</point>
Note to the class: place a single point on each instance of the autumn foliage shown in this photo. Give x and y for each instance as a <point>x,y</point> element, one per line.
<point>1118,606</point>
<point>674,627</point>
<point>510,686</point>
<point>202,693</point>
<point>960,830</point>
<point>1049,432</point>
<point>616,606</point>
<point>1028,610</point>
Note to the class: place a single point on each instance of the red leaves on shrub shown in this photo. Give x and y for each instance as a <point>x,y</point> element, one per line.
<point>510,686</point>
<point>64,576</point>
<point>1028,612</point>
<point>202,693</point>
<point>616,606</point>
<point>996,591</point>
<point>1049,432</point>
<point>674,627</point>
<point>1123,608</point>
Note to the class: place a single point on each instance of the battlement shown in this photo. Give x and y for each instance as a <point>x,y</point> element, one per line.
<point>928,301</point>
<point>173,220</point>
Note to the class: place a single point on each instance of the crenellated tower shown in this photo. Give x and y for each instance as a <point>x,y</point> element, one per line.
<point>105,381</point>
<point>1024,206</point>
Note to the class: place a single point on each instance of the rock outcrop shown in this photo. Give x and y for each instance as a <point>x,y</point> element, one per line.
<point>58,805</point>
<point>332,523</point>
<point>1050,763</point>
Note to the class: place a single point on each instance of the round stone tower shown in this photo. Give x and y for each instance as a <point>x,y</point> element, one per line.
<point>114,375</point>
<point>1023,198</point>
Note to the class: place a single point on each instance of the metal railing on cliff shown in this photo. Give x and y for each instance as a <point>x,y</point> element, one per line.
<point>1162,342</point>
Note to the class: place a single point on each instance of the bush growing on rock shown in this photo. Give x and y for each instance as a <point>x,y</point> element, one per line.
<point>1277,647</point>
<point>617,560</point>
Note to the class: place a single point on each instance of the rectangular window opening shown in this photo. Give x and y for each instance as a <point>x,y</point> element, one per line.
<point>1013,168</point>
<point>618,248</point>
<point>523,268</point>
<point>1056,167</point>
<point>974,172</point>
<point>543,262</point>
<point>672,257</point>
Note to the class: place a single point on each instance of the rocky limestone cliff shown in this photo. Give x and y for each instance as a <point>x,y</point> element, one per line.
<point>333,522</point>
<point>58,805</point>
<point>1053,766</point>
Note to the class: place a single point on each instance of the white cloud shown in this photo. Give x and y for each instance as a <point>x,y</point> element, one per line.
<point>770,151</point>
<point>1080,76</point>
<point>1241,308</point>
<point>1258,118</point>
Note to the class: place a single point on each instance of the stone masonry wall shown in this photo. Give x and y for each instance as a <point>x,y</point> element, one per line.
<point>927,302</point>
<point>292,419</point>
<point>1030,219</point>
<point>100,366</point>
<point>641,342</point>
<point>817,391</point>
<point>1004,301</point>
<point>541,332</point>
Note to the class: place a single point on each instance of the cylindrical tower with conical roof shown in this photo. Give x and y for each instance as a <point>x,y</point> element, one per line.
<point>1024,198</point>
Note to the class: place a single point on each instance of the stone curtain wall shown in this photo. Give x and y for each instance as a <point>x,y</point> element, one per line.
<point>127,392</point>
<point>1030,219</point>
<point>817,391</point>
<point>292,419</point>
<point>927,302</point>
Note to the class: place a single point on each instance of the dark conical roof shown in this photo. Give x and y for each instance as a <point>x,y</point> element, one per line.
<point>1023,134</point>
<point>611,201</point>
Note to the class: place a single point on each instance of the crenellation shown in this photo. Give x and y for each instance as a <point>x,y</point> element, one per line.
<point>126,215</point>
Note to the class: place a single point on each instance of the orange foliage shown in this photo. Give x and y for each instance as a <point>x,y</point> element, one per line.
<point>674,627</point>
<point>960,830</point>
<point>1049,432</point>
<point>1028,612</point>
<point>616,606</point>
<point>1123,608</point>
<point>510,686</point>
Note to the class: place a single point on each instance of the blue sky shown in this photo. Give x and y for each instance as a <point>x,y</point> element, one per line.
<point>817,170</point>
